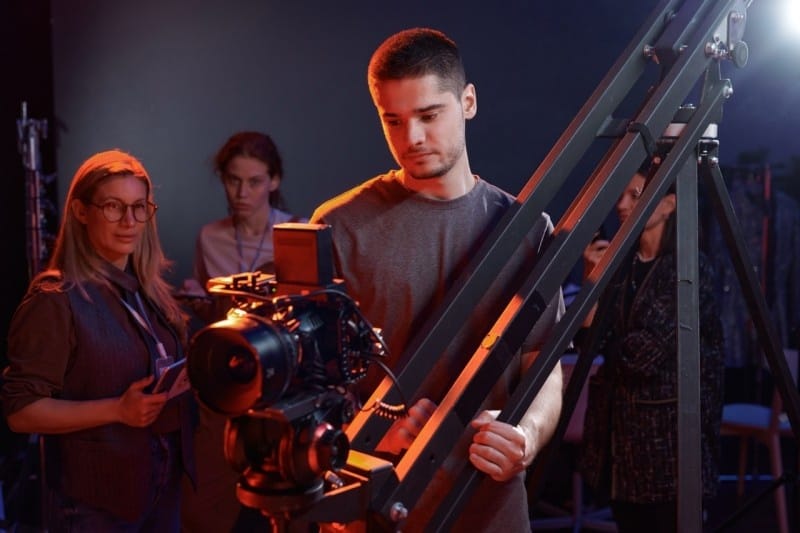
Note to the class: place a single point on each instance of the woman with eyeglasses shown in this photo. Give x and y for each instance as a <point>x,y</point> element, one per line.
<point>85,348</point>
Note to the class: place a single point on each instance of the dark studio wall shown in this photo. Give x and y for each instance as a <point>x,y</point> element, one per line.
<point>170,83</point>
<point>170,80</point>
<point>25,63</point>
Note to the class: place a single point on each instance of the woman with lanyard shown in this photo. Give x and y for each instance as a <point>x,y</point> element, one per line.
<point>85,347</point>
<point>250,168</point>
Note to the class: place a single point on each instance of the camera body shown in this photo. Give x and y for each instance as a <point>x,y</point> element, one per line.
<point>280,366</point>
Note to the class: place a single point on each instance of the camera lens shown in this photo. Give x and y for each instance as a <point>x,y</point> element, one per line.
<point>242,367</point>
<point>241,363</point>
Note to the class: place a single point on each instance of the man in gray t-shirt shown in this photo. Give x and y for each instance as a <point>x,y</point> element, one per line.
<point>400,241</point>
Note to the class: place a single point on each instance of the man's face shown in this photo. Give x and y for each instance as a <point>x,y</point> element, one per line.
<point>423,124</point>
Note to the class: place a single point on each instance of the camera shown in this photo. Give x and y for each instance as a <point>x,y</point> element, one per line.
<point>281,366</point>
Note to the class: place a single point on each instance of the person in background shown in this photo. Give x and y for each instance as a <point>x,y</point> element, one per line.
<point>629,450</point>
<point>84,348</point>
<point>402,239</point>
<point>251,169</point>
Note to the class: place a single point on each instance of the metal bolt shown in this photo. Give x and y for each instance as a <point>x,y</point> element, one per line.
<point>398,512</point>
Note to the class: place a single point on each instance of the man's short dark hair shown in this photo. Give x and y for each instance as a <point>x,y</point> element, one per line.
<point>417,52</point>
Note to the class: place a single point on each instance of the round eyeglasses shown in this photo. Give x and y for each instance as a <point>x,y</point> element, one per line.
<point>114,210</point>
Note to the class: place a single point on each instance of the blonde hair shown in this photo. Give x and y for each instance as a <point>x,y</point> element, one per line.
<point>74,259</point>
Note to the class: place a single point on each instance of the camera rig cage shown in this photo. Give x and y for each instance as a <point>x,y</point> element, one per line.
<point>280,366</point>
<point>688,40</point>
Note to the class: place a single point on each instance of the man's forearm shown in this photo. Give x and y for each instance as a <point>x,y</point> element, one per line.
<point>540,419</point>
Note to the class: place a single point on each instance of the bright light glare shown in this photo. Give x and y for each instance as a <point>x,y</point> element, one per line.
<point>791,16</point>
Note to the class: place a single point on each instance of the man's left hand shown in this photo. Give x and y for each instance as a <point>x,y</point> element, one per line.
<point>498,449</point>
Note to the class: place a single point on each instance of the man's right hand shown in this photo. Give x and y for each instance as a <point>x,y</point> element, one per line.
<point>405,429</point>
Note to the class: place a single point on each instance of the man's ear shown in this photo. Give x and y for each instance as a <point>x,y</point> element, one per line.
<point>469,101</point>
<point>79,211</point>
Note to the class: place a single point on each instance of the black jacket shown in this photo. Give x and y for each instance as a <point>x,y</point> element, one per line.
<point>64,346</point>
<point>630,432</point>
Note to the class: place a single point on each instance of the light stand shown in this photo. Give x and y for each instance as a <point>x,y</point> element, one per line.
<point>29,134</point>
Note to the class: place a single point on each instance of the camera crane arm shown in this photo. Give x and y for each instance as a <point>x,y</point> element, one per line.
<point>599,194</point>
<point>691,38</point>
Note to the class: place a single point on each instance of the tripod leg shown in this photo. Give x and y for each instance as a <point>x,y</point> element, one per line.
<point>756,302</point>
<point>776,464</point>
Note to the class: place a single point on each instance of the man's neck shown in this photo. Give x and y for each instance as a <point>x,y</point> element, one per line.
<point>448,187</point>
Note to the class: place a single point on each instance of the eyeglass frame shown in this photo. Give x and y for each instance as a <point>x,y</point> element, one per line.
<point>148,204</point>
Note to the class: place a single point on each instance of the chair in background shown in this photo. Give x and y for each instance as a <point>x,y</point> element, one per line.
<point>579,517</point>
<point>764,424</point>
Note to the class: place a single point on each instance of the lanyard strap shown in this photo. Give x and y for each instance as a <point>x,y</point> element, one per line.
<point>240,248</point>
<point>144,322</point>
